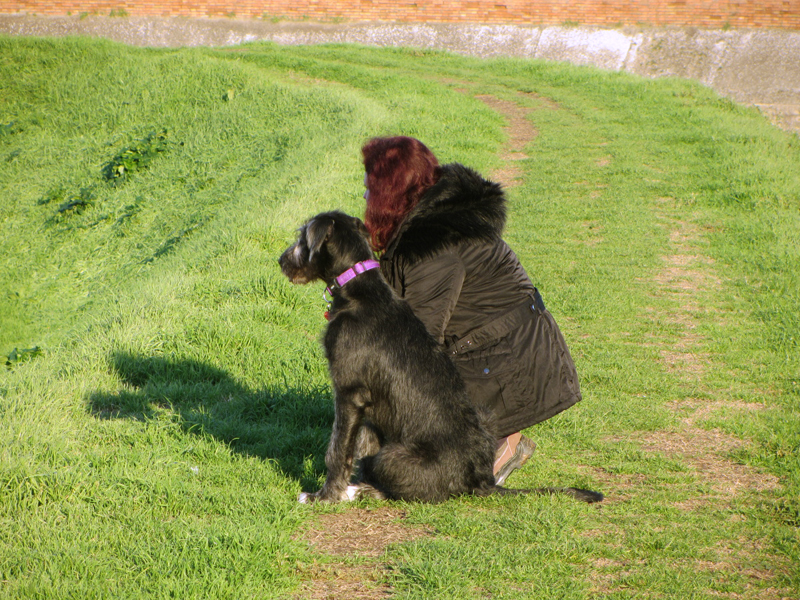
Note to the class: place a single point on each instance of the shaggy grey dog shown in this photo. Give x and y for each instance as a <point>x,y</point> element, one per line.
<point>400,404</point>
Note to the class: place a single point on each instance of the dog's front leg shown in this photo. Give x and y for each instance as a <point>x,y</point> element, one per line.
<point>339,457</point>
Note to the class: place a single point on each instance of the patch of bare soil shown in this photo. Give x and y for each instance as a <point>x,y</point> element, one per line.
<point>706,451</point>
<point>361,532</point>
<point>354,543</point>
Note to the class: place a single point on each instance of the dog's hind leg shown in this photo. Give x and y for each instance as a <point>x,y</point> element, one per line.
<point>404,475</point>
<point>368,443</point>
<point>364,490</point>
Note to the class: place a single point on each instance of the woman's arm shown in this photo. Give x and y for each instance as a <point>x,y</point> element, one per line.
<point>432,287</point>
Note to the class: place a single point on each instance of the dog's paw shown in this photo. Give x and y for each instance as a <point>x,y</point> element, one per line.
<point>351,492</point>
<point>306,498</point>
<point>322,495</point>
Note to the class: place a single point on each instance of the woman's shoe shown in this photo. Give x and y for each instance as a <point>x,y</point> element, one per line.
<point>522,453</point>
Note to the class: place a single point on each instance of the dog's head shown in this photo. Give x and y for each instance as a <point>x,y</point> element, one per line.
<point>327,245</point>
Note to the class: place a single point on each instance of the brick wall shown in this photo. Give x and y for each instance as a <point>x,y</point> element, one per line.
<point>782,14</point>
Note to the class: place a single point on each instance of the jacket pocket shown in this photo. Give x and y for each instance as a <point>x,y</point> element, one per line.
<point>485,373</point>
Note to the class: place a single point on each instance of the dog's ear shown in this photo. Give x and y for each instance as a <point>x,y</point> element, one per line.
<point>318,231</point>
<point>362,229</point>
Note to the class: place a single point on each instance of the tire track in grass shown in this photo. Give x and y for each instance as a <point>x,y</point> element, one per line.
<point>687,278</point>
<point>689,281</point>
<point>519,131</point>
<point>684,278</point>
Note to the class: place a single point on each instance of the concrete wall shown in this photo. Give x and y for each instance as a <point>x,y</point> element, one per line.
<point>723,14</point>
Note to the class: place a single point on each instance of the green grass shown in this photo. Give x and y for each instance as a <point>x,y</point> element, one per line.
<point>154,444</point>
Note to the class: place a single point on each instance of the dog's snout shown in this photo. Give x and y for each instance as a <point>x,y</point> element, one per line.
<point>282,257</point>
<point>294,264</point>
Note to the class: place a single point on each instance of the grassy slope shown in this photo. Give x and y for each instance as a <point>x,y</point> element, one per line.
<point>181,402</point>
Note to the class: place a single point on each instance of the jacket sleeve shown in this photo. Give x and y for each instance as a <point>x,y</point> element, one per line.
<point>432,287</point>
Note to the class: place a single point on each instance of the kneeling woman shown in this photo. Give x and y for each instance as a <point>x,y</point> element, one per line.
<point>438,231</point>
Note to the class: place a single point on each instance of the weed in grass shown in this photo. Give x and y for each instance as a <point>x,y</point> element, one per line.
<point>76,204</point>
<point>9,129</point>
<point>136,157</point>
<point>56,194</point>
<point>20,355</point>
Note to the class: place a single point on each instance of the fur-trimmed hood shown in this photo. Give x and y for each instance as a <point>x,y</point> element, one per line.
<point>461,206</point>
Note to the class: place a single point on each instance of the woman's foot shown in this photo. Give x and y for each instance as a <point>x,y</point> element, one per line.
<point>513,452</point>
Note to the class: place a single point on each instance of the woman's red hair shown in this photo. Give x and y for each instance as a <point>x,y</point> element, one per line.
<point>399,170</point>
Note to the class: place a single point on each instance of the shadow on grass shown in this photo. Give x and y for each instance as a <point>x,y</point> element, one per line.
<point>290,426</point>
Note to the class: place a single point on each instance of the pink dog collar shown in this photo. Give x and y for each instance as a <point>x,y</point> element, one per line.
<point>355,270</point>
<point>351,273</point>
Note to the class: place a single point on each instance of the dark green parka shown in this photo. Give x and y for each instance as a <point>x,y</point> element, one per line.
<point>449,262</point>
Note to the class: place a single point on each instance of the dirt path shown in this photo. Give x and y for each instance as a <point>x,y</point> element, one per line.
<point>688,277</point>
<point>519,131</point>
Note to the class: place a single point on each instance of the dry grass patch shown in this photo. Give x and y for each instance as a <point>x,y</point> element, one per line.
<point>353,543</point>
<point>704,452</point>
<point>362,532</point>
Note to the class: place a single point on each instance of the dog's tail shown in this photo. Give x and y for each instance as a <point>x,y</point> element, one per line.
<point>587,496</point>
